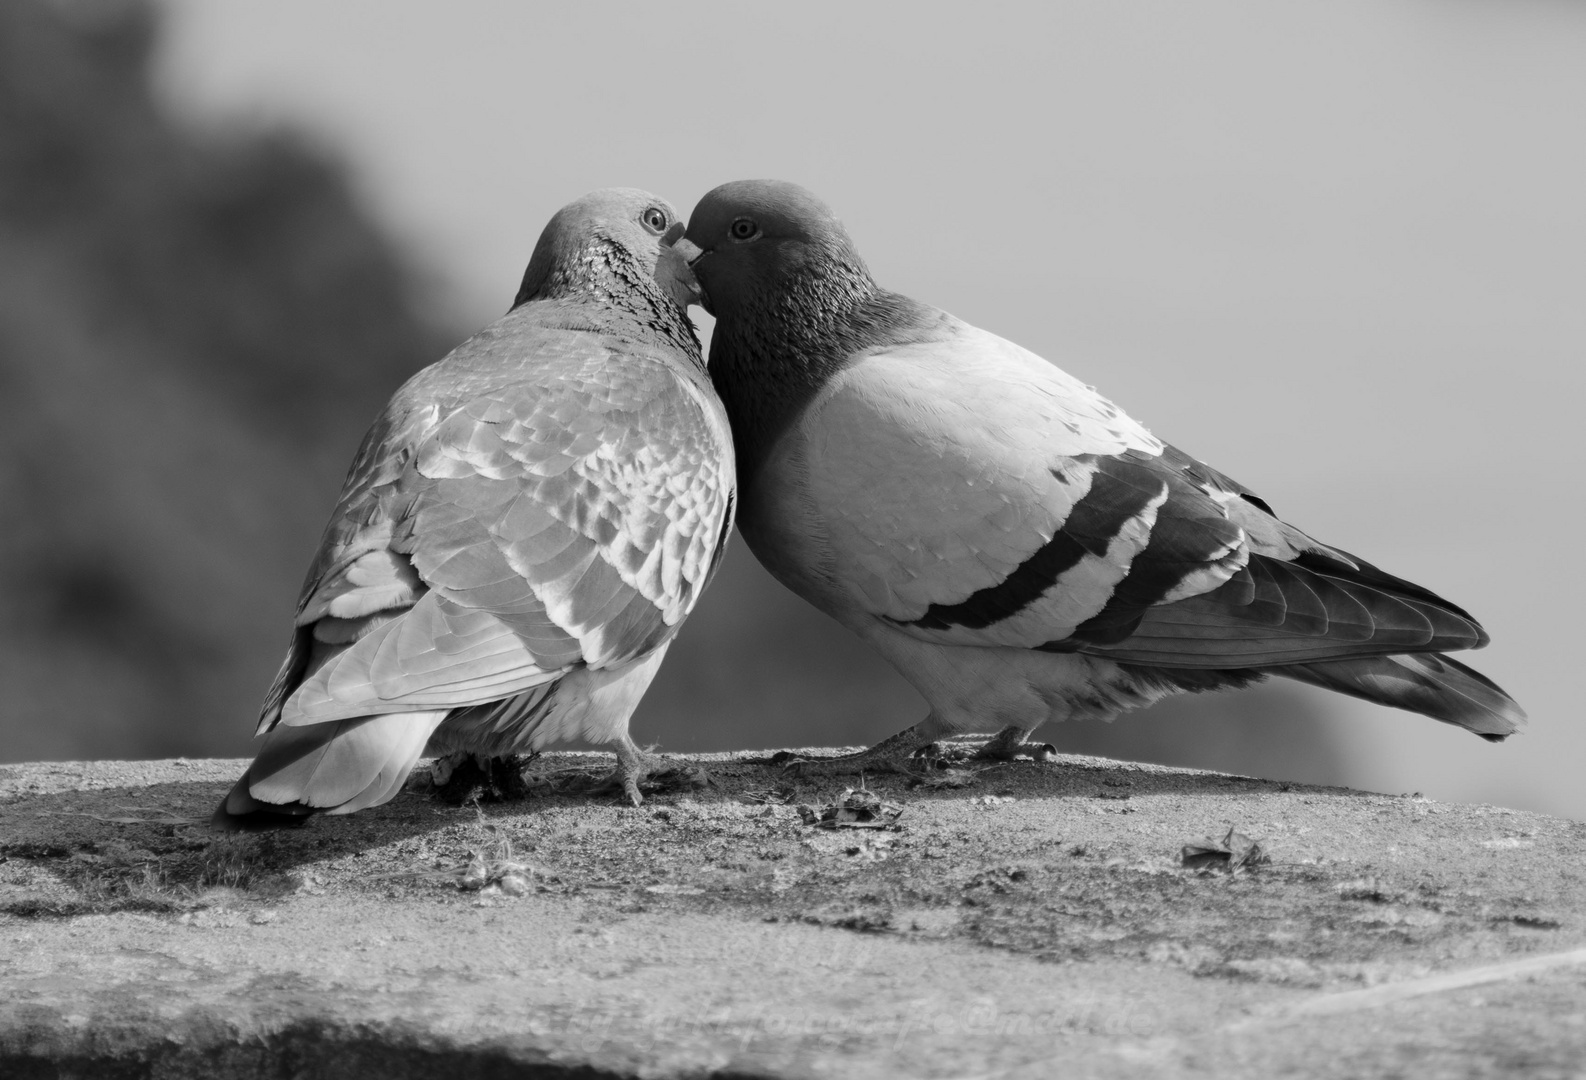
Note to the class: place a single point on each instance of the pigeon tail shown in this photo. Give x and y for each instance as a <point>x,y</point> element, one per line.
<point>337,767</point>
<point>1427,683</point>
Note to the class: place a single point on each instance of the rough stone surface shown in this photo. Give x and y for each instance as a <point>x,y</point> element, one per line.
<point>1034,922</point>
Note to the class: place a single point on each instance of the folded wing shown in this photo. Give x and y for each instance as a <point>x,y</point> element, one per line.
<point>972,494</point>
<point>496,534</point>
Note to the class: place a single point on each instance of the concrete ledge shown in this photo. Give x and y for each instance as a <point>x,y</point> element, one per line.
<point>1034,922</point>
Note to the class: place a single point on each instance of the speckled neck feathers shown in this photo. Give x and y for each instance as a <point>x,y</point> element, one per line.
<point>772,354</point>
<point>606,288</point>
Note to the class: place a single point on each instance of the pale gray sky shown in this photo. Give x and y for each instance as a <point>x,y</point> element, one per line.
<point>1337,249</point>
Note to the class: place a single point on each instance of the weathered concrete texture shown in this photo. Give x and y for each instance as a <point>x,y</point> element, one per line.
<point>1033,923</point>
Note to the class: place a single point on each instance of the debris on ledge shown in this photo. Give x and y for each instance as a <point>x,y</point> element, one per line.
<point>1118,919</point>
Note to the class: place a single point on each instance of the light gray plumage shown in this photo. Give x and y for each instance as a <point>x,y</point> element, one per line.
<point>520,536</point>
<point>1018,547</point>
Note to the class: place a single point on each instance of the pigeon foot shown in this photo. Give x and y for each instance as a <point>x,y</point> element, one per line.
<point>633,765</point>
<point>1010,744</point>
<point>892,755</point>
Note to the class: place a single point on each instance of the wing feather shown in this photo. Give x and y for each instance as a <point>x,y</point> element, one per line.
<point>936,469</point>
<point>1020,508</point>
<point>1275,613</point>
<point>538,500</point>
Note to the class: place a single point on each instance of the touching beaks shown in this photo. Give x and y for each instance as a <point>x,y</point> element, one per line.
<point>689,250</point>
<point>674,276</point>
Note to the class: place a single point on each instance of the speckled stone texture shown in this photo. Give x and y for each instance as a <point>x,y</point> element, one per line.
<point>1024,920</point>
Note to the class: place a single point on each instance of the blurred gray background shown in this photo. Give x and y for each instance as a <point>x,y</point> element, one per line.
<point>1336,249</point>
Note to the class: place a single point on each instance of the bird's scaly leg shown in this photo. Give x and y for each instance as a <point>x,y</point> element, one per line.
<point>890,755</point>
<point>633,765</point>
<point>1010,744</point>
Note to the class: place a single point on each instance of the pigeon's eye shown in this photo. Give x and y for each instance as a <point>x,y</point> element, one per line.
<point>743,229</point>
<point>655,220</point>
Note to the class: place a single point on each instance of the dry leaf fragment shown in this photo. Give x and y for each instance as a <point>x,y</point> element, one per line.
<point>855,808</point>
<point>1233,852</point>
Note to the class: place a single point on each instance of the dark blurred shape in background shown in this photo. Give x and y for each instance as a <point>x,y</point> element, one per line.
<point>194,333</point>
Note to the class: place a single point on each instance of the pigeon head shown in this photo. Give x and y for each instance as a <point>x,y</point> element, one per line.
<point>750,241</point>
<point>592,245</point>
<point>793,301</point>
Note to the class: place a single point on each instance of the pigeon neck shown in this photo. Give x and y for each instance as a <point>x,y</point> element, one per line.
<point>608,276</point>
<point>769,359</point>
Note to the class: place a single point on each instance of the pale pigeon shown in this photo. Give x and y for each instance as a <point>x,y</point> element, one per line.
<point>520,536</point>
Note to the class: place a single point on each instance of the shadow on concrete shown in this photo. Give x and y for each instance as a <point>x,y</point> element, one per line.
<point>149,848</point>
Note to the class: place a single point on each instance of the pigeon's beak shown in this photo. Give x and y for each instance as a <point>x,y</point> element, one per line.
<point>674,276</point>
<point>689,250</point>
<point>689,253</point>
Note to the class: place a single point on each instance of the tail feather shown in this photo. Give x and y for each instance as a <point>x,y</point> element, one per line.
<point>337,767</point>
<point>1427,683</point>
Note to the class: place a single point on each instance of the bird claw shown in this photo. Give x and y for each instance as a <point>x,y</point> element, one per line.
<point>614,783</point>
<point>999,748</point>
<point>657,773</point>
<point>623,781</point>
